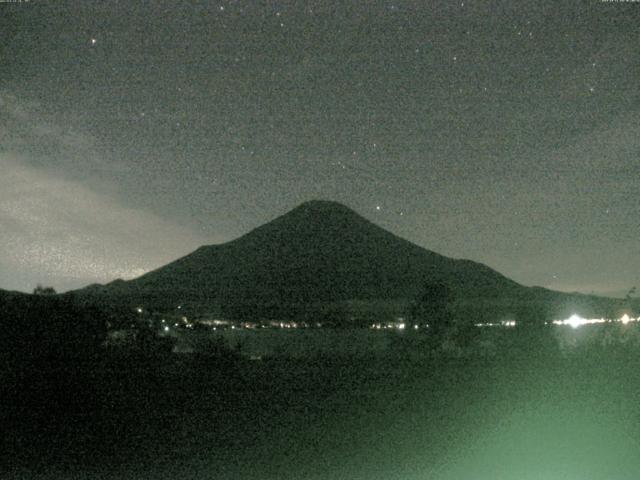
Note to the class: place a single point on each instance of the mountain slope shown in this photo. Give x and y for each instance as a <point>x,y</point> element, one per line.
<point>319,253</point>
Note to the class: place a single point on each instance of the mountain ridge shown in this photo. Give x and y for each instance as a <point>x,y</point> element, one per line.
<point>320,253</point>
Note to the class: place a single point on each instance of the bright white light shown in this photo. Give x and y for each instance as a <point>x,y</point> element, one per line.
<point>139,309</point>
<point>415,327</point>
<point>166,328</point>
<point>625,319</point>
<point>575,321</point>
<point>401,326</point>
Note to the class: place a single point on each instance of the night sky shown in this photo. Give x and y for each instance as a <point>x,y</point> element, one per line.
<point>504,132</point>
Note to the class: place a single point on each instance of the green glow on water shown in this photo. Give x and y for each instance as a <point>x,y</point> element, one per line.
<point>545,443</point>
<point>519,422</point>
<point>520,415</point>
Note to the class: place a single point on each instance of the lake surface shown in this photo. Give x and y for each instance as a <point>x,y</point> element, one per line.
<point>519,414</point>
<point>300,342</point>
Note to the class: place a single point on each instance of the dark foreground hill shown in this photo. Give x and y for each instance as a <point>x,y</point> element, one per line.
<point>323,259</point>
<point>41,326</point>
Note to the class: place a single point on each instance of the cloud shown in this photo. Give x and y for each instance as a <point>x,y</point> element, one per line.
<point>67,228</point>
<point>55,229</point>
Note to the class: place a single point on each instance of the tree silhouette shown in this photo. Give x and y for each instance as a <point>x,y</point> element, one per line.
<point>433,308</point>
<point>40,290</point>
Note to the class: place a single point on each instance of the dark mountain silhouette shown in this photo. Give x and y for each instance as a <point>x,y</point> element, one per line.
<point>320,253</point>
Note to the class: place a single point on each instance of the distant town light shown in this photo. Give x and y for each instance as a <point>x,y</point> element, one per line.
<point>139,309</point>
<point>166,328</point>
<point>625,319</point>
<point>575,321</point>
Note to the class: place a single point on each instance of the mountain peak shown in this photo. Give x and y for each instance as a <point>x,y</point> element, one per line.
<point>323,218</point>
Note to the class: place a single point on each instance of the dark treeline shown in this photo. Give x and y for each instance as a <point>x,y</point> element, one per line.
<point>36,326</point>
